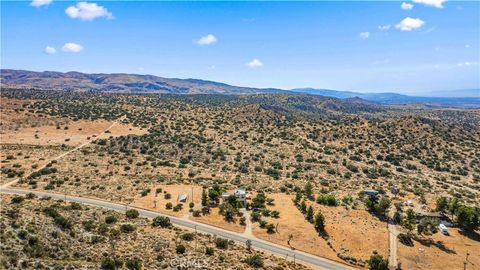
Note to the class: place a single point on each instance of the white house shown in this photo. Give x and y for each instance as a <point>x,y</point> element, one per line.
<point>241,194</point>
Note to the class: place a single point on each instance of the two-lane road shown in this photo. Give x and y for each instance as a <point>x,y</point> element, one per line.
<point>309,259</point>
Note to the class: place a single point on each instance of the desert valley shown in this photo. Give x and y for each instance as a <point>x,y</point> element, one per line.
<point>347,180</point>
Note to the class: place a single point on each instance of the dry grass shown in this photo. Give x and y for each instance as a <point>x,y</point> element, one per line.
<point>441,252</point>
<point>351,232</point>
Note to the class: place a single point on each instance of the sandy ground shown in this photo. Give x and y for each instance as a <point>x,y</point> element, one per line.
<point>148,202</point>
<point>358,235</point>
<point>443,252</point>
<point>77,133</point>
<point>25,157</point>
<point>217,220</point>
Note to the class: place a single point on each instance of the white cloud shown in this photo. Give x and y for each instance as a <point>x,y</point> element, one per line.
<point>467,64</point>
<point>49,50</point>
<point>409,24</point>
<point>39,3</point>
<point>381,62</point>
<point>254,63</point>
<point>72,47</point>
<point>87,11</point>
<point>384,27</point>
<point>432,3</point>
<point>406,6</point>
<point>364,35</point>
<point>207,40</point>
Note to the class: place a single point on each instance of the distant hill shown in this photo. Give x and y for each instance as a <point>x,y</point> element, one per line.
<point>393,98</point>
<point>134,83</point>
<point>120,82</point>
<point>455,93</point>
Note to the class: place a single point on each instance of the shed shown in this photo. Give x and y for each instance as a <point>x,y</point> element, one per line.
<point>182,198</point>
<point>370,192</point>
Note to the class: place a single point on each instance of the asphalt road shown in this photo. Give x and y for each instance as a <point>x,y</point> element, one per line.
<point>278,250</point>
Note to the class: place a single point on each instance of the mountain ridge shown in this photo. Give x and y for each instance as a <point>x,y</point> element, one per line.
<point>137,83</point>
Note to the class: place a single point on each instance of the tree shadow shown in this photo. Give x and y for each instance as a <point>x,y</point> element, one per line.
<point>439,244</point>
<point>473,235</point>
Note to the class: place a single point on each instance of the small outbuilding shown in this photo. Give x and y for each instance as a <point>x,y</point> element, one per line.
<point>370,192</point>
<point>182,198</point>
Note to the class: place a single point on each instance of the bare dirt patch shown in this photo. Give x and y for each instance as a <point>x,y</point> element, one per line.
<point>152,199</point>
<point>217,220</point>
<point>71,133</point>
<point>351,232</point>
<point>441,252</point>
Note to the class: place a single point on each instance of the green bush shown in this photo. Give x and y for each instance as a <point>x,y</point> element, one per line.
<point>254,261</point>
<point>163,222</point>
<point>17,199</point>
<point>134,264</point>
<point>221,243</point>
<point>327,199</point>
<point>209,251</point>
<point>187,236</point>
<point>132,213</point>
<point>127,228</point>
<point>111,263</point>
<point>110,219</point>
<point>180,249</point>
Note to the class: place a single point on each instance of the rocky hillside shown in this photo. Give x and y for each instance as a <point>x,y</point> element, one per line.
<point>128,83</point>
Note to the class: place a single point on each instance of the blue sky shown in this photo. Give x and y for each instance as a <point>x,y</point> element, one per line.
<point>334,45</point>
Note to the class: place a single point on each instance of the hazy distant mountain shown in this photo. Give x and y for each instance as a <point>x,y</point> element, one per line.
<point>50,80</point>
<point>462,100</point>
<point>454,93</point>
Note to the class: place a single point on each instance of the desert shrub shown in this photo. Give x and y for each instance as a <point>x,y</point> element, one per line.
<point>110,263</point>
<point>270,228</point>
<point>75,206</point>
<point>254,261</point>
<point>209,251</point>
<point>377,262</point>
<point>163,222</point>
<point>134,264</point>
<point>17,199</point>
<point>88,225</point>
<point>132,213</point>
<point>187,236</point>
<point>221,243</point>
<point>127,228</point>
<point>63,222</point>
<point>180,249</point>
<point>327,199</point>
<point>110,219</point>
